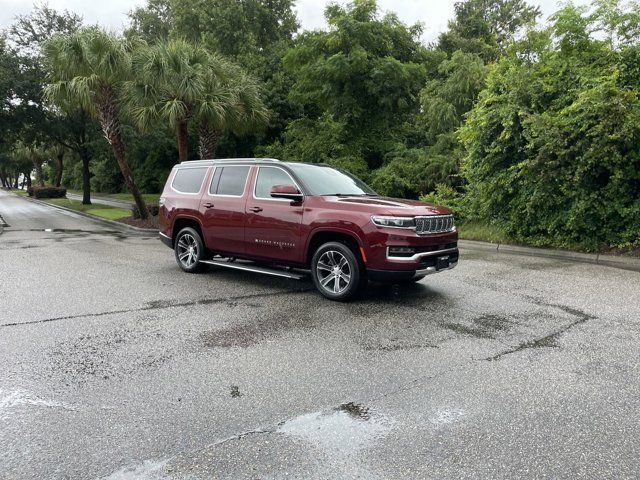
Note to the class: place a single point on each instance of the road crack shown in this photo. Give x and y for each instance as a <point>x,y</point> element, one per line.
<point>549,340</point>
<point>159,305</point>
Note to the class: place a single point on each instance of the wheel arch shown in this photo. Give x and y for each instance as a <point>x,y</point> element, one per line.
<point>183,222</point>
<point>321,236</point>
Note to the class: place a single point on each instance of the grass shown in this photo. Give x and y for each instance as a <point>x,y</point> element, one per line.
<point>483,232</point>
<point>103,211</point>
<point>148,197</point>
<point>22,193</point>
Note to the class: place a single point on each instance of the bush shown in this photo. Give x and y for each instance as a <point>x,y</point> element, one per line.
<point>153,208</point>
<point>47,192</point>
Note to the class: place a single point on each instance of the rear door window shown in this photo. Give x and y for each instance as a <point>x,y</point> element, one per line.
<point>188,180</point>
<point>231,180</point>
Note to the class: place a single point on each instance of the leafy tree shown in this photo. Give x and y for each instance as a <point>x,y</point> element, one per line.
<point>151,22</point>
<point>553,145</point>
<point>485,27</point>
<point>234,28</point>
<point>92,66</point>
<point>365,74</point>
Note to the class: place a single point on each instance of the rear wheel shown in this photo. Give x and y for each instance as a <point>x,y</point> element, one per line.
<point>336,272</point>
<point>189,250</point>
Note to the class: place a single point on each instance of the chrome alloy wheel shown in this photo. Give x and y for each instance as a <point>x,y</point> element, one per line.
<point>188,252</point>
<point>333,271</point>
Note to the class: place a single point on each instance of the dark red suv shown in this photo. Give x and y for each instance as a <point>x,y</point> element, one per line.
<point>295,219</point>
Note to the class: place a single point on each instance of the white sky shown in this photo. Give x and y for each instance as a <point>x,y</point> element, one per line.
<point>434,14</point>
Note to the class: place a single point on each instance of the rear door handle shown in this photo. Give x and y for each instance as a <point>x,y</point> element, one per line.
<point>208,205</point>
<point>256,209</point>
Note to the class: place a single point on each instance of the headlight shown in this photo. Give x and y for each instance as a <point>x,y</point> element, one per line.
<point>398,222</point>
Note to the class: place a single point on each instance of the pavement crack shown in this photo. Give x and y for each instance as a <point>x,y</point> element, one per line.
<point>159,305</point>
<point>549,340</point>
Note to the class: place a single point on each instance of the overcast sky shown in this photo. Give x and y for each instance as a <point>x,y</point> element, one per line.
<point>434,14</point>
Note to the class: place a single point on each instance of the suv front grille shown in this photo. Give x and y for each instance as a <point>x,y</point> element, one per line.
<point>434,224</point>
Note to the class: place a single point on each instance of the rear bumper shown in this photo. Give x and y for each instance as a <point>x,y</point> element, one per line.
<point>428,266</point>
<point>166,240</point>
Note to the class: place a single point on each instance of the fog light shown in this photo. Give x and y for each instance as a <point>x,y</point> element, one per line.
<point>401,251</point>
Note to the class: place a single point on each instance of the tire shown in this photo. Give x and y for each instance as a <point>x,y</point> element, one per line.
<point>337,273</point>
<point>189,250</point>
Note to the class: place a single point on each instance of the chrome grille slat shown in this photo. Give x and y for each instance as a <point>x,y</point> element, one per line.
<point>434,224</point>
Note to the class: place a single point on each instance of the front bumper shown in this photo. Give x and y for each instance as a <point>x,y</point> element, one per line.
<point>428,266</point>
<point>417,266</point>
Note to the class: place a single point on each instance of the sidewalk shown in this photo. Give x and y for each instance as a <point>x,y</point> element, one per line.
<point>112,202</point>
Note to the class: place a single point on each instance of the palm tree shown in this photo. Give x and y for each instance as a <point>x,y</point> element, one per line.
<point>58,151</point>
<point>231,104</point>
<point>170,82</point>
<point>90,67</point>
<point>34,154</point>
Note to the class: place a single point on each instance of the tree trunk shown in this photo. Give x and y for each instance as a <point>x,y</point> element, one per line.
<point>37,163</point>
<point>182,132</point>
<point>208,139</point>
<point>28,175</point>
<point>3,177</point>
<point>110,122</point>
<point>59,166</point>
<point>16,180</point>
<point>86,176</point>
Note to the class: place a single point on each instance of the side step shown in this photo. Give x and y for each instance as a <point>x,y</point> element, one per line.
<point>249,267</point>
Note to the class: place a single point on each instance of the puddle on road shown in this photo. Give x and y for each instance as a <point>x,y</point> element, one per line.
<point>148,470</point>
<point>344,430</point>
<point>446,416</point>
<point>13,399</point>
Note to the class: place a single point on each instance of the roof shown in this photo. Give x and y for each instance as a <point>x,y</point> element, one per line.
<point>194,163</point>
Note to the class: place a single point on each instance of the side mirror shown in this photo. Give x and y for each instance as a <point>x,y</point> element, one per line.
<point>290,192</point>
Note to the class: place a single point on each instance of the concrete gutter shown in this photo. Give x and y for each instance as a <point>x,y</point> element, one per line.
<point>112,223</point>
<point>616,261</point>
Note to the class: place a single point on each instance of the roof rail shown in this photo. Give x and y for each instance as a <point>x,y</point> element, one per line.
<point>228,160</point>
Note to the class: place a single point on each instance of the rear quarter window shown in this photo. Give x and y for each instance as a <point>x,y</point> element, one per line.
<point>188,180</point>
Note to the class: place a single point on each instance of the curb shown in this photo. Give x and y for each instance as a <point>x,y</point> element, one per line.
<point>625,263</point>
<point>105,221</point>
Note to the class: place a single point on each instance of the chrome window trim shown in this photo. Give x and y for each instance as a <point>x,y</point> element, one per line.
<point>255,185</point>
<point>175,172</point>
<point>244,189</point>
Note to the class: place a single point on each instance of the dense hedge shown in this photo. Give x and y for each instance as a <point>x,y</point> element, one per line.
<point>153,208</point>
<point>47,192</point>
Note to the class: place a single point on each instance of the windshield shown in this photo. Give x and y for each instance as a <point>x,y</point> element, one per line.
<point>323,180</point>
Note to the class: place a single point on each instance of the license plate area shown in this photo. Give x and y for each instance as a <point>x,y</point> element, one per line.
<point>442,263</point>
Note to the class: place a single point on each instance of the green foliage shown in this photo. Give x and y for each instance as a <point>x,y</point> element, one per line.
<point>553,146</point>
<point>485,27</point>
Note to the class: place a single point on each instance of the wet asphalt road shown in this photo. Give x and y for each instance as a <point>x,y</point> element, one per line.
<point>114,364</point>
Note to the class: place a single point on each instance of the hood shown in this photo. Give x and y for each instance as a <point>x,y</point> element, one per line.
<point>387,206</point>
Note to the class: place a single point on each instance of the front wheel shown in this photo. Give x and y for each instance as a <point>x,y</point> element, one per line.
<point>336,272</point>
<point>189,250</point>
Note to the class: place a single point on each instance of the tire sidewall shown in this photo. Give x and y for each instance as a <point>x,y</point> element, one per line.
<point>197,266</point>
<point>354,265</point>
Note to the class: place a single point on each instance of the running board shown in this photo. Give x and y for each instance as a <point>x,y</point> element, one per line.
<point>255,269</point>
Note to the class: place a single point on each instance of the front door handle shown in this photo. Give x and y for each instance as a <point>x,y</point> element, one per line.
<point>208,205</point>
<point>256,209</point>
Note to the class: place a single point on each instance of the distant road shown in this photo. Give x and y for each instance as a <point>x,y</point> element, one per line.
<point>22,214</point>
